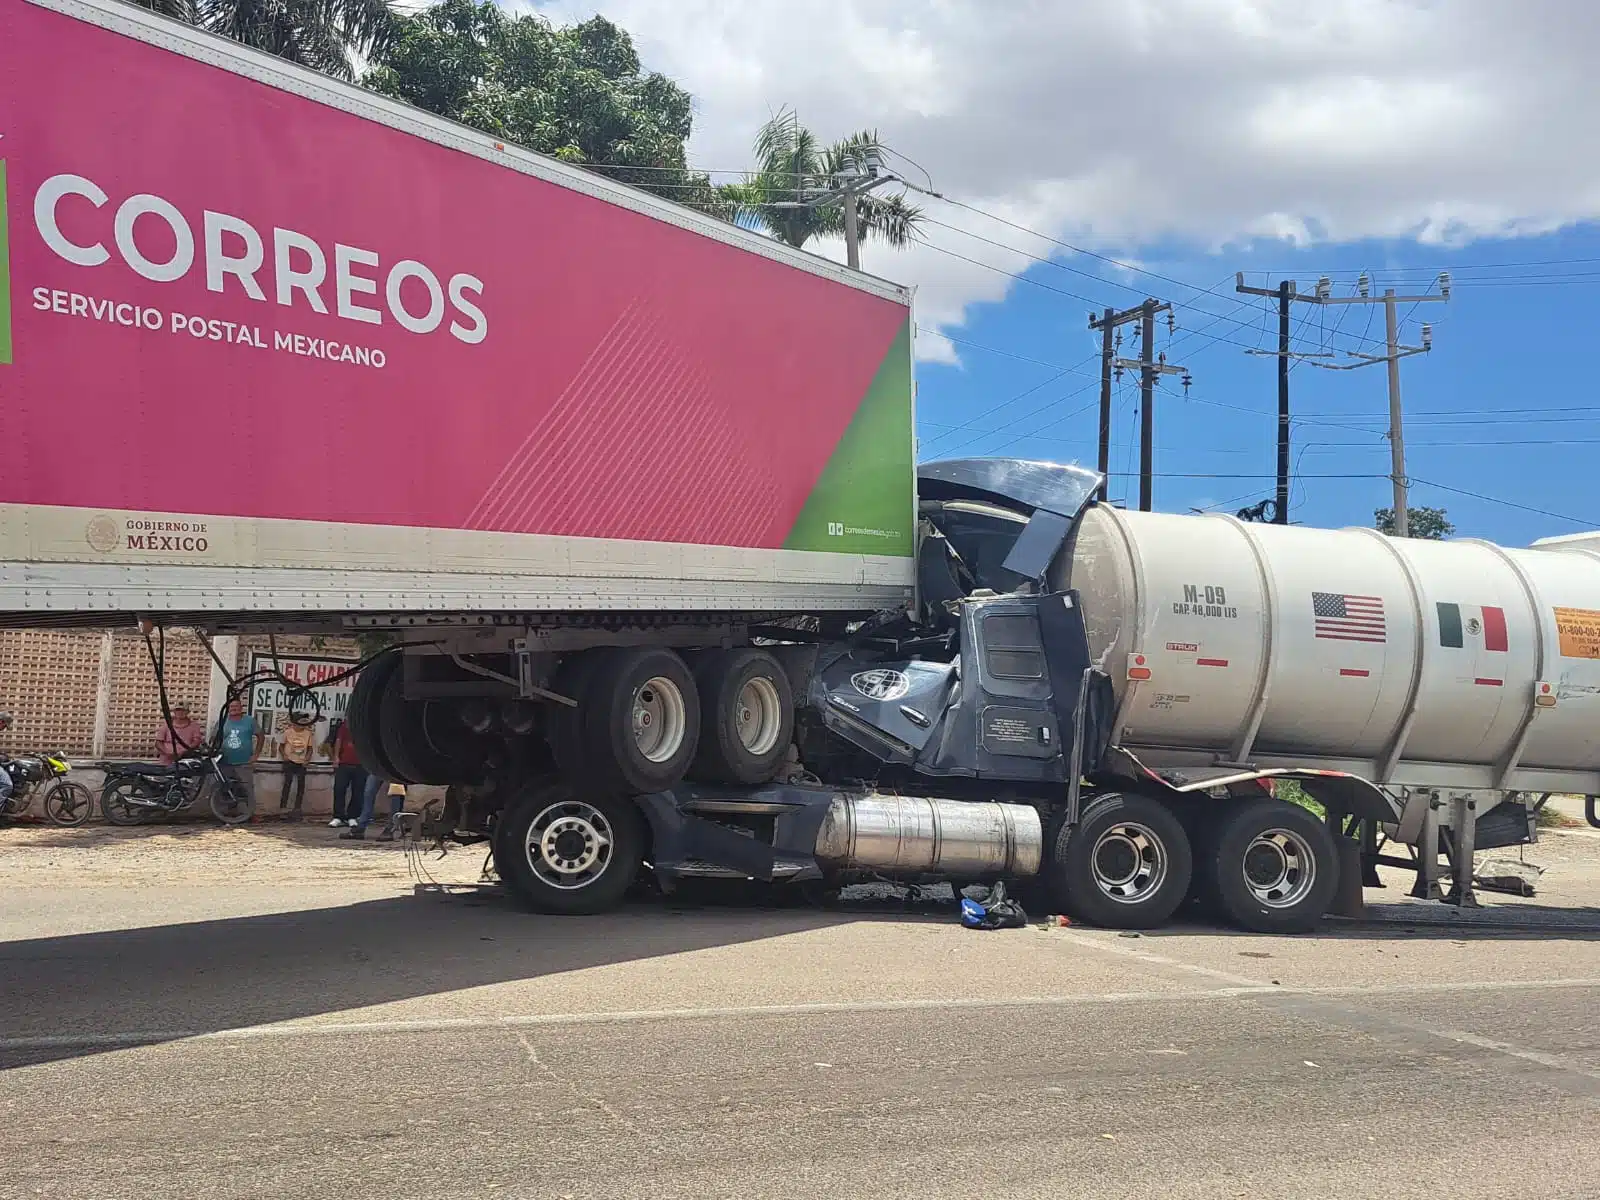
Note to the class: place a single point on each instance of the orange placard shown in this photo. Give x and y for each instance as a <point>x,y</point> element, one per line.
<point>1579,629</point>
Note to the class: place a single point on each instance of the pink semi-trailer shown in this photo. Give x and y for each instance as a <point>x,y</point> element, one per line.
<point>631,492</point>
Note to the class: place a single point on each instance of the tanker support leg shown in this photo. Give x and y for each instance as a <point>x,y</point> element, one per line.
<point>1464,822</point>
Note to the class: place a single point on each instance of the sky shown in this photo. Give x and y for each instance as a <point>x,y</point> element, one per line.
<point>1093,153</point>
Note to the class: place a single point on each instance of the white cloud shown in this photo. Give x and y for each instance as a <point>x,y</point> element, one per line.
<point>1120,123</point>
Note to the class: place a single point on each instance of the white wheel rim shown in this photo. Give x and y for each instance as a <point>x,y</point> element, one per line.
<point>759,717</point>
<point>1279,868</point>
<point>1129,863</point>
<point>660,718</point>
<point>569,845</point>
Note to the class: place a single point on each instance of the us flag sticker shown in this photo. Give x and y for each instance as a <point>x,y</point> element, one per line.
<point>1463,625</point>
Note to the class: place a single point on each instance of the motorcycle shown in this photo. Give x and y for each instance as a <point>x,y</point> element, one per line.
<point>135,793</point>
<point>66,802</point>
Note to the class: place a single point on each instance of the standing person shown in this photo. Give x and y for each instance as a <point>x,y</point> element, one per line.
<point>183,736</point>
<point>296,756</point>
<point>240,745</point>
<point>349,778</point>
<point>369,803</point>
<point>6,784</point>
<point>397,805</point>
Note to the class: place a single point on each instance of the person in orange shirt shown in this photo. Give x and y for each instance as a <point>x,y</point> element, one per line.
<point>298,740</point>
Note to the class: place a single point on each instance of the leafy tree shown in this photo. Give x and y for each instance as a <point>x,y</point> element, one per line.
<point>321,34</point>
<point>578,93</point>
<point>787,194</point>
<point>1429,523</point>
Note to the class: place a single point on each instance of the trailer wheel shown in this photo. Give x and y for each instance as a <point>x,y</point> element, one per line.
<point>643,724</point>
<point>365,695</point>
<point>1126,865</point>
<point>403,736</point>
<point>559,851</point>
<point>746,716</point>
<point>1272,868</point>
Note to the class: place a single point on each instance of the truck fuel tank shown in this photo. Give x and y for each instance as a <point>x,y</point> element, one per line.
<point>917,835</point>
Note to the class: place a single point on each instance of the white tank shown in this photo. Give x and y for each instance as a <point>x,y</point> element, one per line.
<point>1446,663</point>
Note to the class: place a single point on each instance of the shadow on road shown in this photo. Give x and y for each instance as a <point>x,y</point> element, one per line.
<point>65,997</point>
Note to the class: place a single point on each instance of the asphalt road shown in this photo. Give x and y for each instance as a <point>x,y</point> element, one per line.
<point>351,1039</point>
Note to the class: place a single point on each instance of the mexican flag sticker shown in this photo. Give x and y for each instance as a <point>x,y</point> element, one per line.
<point>1463,625</point>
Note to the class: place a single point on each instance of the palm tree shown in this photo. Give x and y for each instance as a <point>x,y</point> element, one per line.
<point>320,34</point>
<point>793,193</point>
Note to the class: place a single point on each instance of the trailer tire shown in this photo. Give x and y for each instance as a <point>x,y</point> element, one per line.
<point>1125,865</point>
<point>1271,868</point>
<point>365,695</point>
<point>402,727</point>
<point>562,852</point>
<point>746,716</point>
<point>564,729</point>
<point>643,722</point>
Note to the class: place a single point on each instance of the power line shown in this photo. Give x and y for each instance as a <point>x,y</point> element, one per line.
<point>1543,512</point>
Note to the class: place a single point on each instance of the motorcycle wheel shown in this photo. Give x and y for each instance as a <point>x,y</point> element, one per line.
<point>69,803</point>
<point>229,803</point>
<point>117,801</point>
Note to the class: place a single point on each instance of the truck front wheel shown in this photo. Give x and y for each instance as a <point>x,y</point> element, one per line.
<point>562,852</point>
<point>1125,865</point>
<point>1271,868</point>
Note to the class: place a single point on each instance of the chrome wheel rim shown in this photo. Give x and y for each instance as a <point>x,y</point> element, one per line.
<point>569,845</point>
<point>660,717</point>
<point>1279,868</point>
<point>1128,863</point>
<point>759,716</point>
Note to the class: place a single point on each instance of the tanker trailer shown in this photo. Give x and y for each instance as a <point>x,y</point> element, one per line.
<point>1458,677</point>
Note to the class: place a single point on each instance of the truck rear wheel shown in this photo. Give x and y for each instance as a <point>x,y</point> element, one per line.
<point>746,716</point>
<point>1126,864</point>
<point>559,851</point>
<point>1271,868</point>
<point>642,723</point>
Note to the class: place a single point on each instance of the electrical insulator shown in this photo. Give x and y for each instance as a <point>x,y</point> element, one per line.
<point>1172,323</point>
<point>1444,284</point>
<point>1364,285</point>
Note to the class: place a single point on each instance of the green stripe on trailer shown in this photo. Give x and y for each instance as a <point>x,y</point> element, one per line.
<point>1450,632</point>
<point>5,275</point>
<point>862,502</point>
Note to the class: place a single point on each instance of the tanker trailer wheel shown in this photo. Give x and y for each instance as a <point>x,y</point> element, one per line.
<point>365,695</point>
<point>643,721</point>
<point>1271,868</point>
<point>1126,865</point>
<point>746,716</point>
<point>561,851</point>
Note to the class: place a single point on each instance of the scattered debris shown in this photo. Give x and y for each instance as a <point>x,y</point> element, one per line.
<point>1507,875</point>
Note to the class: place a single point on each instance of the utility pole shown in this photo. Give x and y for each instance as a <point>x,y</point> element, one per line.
<point>1393,353</point>
<point>852,237</point>
<point>1108,326</point>
<point>845,188</point>
<point>1149,369</point>
<point>1285,293</point>
<point>1147,403</point>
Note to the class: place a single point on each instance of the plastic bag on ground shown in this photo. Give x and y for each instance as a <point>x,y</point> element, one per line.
<point>992,909</point>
